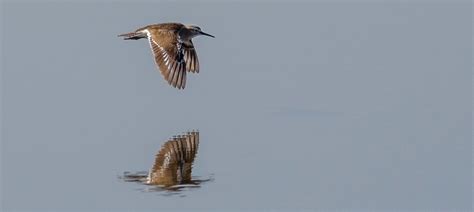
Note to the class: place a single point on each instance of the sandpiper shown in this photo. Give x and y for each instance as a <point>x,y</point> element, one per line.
<point>173,49</point>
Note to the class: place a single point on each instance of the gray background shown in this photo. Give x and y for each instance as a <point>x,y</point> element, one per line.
<point>357,105</point>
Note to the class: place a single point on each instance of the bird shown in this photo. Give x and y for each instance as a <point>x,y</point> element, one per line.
<point>173,163</point>
<point>172,48</point>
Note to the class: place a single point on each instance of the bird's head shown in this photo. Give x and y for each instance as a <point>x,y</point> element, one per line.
<point>195,31</point>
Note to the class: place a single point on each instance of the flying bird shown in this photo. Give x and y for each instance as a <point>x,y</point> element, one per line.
<point>172,48</point>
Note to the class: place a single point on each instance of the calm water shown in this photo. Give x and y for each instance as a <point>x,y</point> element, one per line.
<point>353,105</point>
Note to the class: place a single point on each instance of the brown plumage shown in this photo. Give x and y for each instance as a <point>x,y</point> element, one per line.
<point>173,163</point>
<point>173,49</point>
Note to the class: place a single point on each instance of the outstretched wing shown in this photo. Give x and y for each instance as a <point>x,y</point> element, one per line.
<point>164,45</point>
<point>172,57</point>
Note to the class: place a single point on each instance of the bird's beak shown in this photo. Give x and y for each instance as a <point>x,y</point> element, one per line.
<point>203,33</point>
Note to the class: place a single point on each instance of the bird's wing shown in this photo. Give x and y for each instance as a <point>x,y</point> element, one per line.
<point>173,58</point>
<point>190,56</point>
<point>167,57</point>
<point>174,160</point>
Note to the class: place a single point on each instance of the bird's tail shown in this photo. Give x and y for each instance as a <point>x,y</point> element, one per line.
<point>133,35</point>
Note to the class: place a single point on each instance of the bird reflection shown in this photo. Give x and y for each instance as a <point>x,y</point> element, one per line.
<point>173,163</point>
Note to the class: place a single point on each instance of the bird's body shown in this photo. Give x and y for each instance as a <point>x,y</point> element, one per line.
<point>173,49</point>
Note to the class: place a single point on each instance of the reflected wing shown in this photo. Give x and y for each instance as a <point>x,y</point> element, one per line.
<point>173,163</point>
<point>191,146</point>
